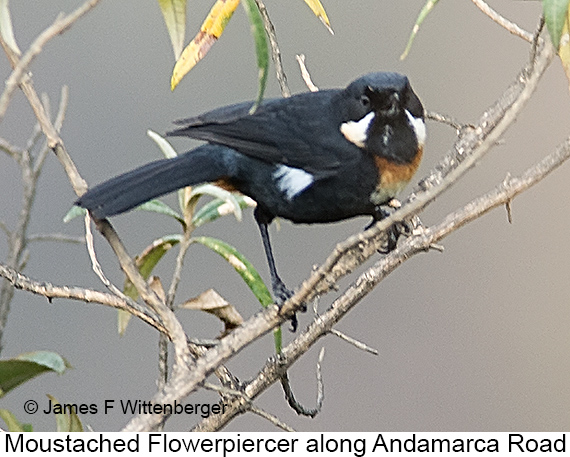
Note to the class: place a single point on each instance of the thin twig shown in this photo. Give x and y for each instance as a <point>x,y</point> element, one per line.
<point>13,151</point>
<point>56,237</point>
<point>182,353</point>
<point>354,251</point>
<point>5,229</point>
<point>95,265</point>
<point>448,120</point>
<point>58,123</point>
<point>275,52</point>
<point>504,192</point>
<point>536,40</point>
<point>175,330</point>
<point>60,25</point>
<point>305,73</point>
<point>50,291</point>
<point>176,277</point>
<point>271,418</point>
<point>297,407</point>
<point>354,342</point>
<point>502,21</point>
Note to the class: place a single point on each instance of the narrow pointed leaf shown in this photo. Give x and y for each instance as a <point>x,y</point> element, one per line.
<point>319,11</point>
<point>169,152</point>
<point>261,47</point>
<point>75,424</point>
<point>564,49</point>
<point>249,274</point>
<point>66,422</point>
<point>156,206</point>
<point>6,29</point>
<point>555,15</point>
<point>245,269</point>
<point>24,367</point>
<point>429,5</point>
<point>13,424</point>
<point>217,192</point>
<point>145,263</point>
<point>165,147</point>
<point>74,212</point>
<point>174,12</point>
<point>218,208</point>
<point>211,29</point>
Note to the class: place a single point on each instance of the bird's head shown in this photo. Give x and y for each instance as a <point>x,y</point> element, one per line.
<point>384,115</point>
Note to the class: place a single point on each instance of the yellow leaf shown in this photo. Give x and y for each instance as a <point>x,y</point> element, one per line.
<point>320,12</point>
<point>564,49</point>
<point>211,29</point>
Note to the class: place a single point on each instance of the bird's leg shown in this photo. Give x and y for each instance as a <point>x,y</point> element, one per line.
<point>280,290</point>
<point>393,232</point>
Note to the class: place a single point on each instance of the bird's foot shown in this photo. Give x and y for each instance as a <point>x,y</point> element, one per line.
<point>282,294</point>
<point>393,233</point>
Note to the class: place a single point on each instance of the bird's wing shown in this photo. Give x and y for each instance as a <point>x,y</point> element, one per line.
<point>302,131</point>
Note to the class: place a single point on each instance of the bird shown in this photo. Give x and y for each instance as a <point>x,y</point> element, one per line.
<point>314,157</point>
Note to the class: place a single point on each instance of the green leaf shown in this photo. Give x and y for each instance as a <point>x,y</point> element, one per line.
<point>218,208</point>
<point>555,17</point>
<point>13,424</point>
<point>165,147</point>
<point>74,212</point>
<point>564,49</point>
<point>6,29</point>
<point>156,206</point>
<point>66,422</point>
<point>245,269</point>
<point>174,12</point>
<point>249,274</point>
<point>261,47</point>
<point>169,152</point>
<point>145,263</point>
<point>423,14</point>
<point>24,367</point>
<point>216,192</point>
<point>278,338</point>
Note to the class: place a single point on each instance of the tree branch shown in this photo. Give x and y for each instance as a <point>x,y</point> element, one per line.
<point>48,290</point>
<point>470,148</point>
<point>499,196</point>
<point>60,25</point>
<point>502,21</point>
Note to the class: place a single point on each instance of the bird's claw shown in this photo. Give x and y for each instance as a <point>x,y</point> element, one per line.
<point>282,293</point>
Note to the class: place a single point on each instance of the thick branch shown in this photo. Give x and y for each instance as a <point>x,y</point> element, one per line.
<point>348,255</point>
<point>499,196</point>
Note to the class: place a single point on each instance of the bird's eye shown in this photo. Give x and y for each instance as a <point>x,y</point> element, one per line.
<point>365,101</point>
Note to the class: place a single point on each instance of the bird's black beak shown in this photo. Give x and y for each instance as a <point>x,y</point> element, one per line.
<point>392,105</point>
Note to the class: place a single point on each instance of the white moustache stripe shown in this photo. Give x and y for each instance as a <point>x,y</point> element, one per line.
<point>419,127</point>
<point>357,131</point>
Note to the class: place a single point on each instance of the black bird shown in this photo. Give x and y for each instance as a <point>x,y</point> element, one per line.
<point>311,158</point>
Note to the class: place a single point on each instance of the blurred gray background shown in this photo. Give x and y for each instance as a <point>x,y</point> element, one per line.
<point>475,338</point>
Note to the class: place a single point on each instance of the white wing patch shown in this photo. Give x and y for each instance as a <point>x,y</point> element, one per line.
<point>292,181</point>
<point>357,131</point>
<point>419,127</point>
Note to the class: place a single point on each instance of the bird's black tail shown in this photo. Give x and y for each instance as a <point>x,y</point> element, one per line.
<point>205,164</point>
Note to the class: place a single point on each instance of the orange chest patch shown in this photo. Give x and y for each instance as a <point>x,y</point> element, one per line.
<point>393,177</point>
